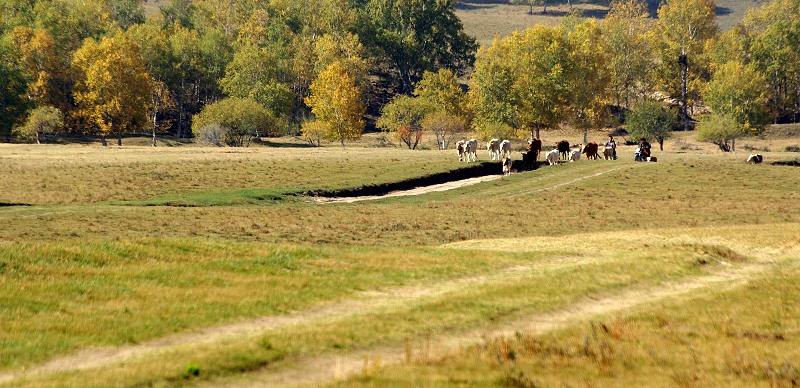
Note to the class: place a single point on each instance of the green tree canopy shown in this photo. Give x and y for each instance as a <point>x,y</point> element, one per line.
<point>234,122</point>
<point>403,117</point>
<point>650,119</point>
<point>685,30</point>
<point>739,93</point>
<point>443,88</point>
<point>625,31</point>
<point>42,121</point>
<point>13,91</point>
<point>720,130</point>
<point>523,81</point>
<point>416,35</point>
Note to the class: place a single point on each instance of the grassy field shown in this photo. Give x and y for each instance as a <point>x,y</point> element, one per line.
<point>185,265</point>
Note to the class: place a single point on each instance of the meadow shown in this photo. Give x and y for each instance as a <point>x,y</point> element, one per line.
<point>187,265</point>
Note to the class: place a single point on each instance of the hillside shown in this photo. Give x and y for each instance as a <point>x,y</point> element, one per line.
<point>487,19</point>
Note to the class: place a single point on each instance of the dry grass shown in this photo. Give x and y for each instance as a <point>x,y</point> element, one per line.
<point>79,273</point>
<point>739,337</point>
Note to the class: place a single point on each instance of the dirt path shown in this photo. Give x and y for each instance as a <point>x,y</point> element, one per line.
<point>362,304</point>
<point>331,368</point>
<point>326,368</point>
<point>416,191</point>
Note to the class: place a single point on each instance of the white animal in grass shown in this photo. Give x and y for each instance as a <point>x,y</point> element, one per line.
<point>575,155</point>
<point>471,150</point>
<point>505,148</point>
<point>507,163</point>
<point>552,156</point>
<point>755,158</point>
<point>493,146</point>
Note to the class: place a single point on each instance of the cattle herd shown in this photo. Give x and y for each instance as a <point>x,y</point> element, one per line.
<point>501,150</point>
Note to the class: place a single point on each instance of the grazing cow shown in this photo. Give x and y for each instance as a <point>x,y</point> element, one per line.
<point>652,159</point>
<point>506,165</point>
<point>552,156</point>
<point>505,148</point>
<point>471,150</point>
<point>755,158</point>
<point>461,147</point>
<point>563,149</point>
<point>590,150</point>
<point>608,153</point>
<point>534,147</point>
<point>493,146</point>
<point>575,155</point>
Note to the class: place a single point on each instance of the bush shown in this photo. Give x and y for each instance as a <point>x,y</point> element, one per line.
<point>792,148</point>
<point>42,121</point>
<point>233,122</point>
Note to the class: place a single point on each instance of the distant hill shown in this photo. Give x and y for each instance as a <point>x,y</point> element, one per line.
<point>487,19</point>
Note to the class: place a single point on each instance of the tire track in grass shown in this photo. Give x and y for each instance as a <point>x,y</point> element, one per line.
<point>319,370</point>
<point>362,304</point>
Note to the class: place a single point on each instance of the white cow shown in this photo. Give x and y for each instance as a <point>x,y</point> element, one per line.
<point>461,148</point>
<point>493,146</point>
<point>471,150</point>
<point>575,155</point>
<point>505,148</point>
<point>755,158</point>
<point>552,156</point>
<point>507,163</point>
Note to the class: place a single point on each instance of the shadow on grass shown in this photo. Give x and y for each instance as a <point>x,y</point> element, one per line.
<point>274,144</point>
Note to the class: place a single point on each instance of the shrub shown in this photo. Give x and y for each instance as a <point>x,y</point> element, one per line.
<point>42,121</point>
<point>233,122</point>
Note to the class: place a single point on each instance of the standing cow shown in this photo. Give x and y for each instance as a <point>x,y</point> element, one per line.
<point>471,150</point>
<point>493,146</point>
<point>505,148</point>
<point>563,149</point>
<point>534,147</point>
<point>590,150</point>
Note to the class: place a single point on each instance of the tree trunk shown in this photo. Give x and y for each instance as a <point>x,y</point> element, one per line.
<point>685,92</point>
<point>103,141</point>
<point>37,138</point>
<point>180,109</point>
<point>661,144</point>
<point>119,139</point>
<point>733,144</point>
<point>585,135</point>
<point>537,131</point>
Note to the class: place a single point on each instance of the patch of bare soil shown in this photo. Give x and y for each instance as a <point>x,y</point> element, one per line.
<point>415,191</point>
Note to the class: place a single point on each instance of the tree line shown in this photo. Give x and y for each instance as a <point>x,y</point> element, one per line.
<point>103,67</point>
<point>225,71</point>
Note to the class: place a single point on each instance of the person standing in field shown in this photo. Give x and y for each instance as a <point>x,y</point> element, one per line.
<point>612,145</point>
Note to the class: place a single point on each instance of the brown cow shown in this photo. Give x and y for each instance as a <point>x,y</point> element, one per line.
<point>534,147</point>
<point>563,149</point>
<point>590,150</point>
